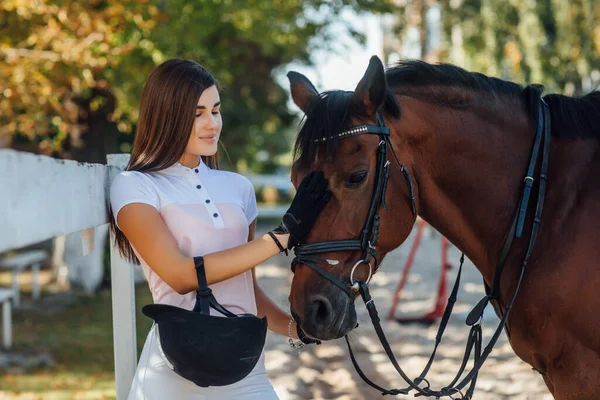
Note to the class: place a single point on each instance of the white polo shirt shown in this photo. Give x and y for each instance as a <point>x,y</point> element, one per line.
<point>206,210</point>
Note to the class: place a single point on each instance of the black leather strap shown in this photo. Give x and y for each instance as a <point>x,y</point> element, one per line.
<point>204,296</point>
<point>310,261</point>
<point>542,135</point>
<point>200,273</point>
<point>278,243</point>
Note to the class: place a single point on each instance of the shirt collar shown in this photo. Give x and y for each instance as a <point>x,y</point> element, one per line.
<point>178,169</point>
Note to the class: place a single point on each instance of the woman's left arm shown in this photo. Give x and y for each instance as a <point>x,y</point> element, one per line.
<point>277,319</point>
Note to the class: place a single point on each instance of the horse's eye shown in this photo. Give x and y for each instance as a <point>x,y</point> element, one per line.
<point>356,179</point>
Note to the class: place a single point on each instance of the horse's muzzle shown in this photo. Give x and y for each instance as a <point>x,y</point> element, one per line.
<point>327,319</point>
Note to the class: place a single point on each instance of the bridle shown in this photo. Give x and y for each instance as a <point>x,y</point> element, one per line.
<point>305,254</point>
<point>370,232</point>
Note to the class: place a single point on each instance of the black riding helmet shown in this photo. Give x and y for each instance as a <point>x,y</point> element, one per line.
<point>208,350</point>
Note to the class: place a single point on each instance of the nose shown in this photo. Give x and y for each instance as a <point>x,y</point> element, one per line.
<point>213,121</point>
<point>320,313</point>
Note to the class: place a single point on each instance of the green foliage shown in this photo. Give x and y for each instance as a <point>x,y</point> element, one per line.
<point>78,59</point>
<point>553,42</point>
<point>55,54</point>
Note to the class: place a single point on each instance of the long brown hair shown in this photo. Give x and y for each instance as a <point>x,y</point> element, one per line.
<point>167,111</point>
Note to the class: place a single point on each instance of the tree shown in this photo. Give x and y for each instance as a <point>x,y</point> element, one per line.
<point>74,69</point>
<point>52,59</point>
<point>553,42</point>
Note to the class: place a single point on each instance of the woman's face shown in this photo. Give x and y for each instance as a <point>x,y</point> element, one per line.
<point>207,124</point>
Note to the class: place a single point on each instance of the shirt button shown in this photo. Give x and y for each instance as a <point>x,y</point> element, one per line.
<point>215,215</point>
<point>207,201</point>
<point>196,170</point>
<point>198,187</point>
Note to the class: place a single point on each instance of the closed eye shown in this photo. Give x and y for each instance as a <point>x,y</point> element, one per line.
<point>357,179</point>
<point>216,112</point>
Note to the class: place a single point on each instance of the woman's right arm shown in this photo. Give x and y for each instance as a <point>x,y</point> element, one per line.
<point>146,231</point>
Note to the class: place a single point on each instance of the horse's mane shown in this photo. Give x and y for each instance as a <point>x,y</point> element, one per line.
<point>449,86</point>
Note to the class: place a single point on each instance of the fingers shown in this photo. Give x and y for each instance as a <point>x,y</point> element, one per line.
<point>320,187</point>
<point>303,185</point>
<point>314,180</point>
<point>323,200</point>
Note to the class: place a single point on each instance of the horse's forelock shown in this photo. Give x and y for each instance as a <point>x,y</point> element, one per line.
<point>328,115</point>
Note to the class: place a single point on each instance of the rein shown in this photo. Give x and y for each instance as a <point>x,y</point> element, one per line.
<point>305,254</point>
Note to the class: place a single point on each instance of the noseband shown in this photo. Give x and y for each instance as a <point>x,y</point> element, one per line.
<point>370,232</point>
<point>367,243</point>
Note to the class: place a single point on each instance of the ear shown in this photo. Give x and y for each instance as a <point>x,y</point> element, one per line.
<point>303,91</point>
<point>370,91</point>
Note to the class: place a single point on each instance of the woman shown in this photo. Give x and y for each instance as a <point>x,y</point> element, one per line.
<point>172,205</point>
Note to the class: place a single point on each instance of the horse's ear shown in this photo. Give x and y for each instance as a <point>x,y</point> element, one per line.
<point>370,91</point>
<point>303,91</point>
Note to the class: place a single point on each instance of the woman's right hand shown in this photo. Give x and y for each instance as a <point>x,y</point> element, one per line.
<point>310,199</point>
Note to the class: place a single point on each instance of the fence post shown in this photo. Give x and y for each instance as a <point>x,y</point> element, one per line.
<point>123,302</point>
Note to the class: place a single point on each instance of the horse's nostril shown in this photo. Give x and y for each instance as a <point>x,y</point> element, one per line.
<point>320,311</point>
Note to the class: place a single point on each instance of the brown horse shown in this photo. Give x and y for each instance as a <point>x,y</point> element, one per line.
<point>465,141</point>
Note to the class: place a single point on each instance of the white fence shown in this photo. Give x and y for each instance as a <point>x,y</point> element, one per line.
<point>42,198</point>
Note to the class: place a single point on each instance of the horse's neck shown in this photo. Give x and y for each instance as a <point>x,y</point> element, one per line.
<point>469,175</point>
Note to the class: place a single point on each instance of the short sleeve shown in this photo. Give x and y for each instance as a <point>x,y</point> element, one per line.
<point>131,187</point>
<point>250,208</point>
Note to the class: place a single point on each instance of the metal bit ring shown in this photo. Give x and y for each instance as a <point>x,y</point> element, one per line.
<point>353,283</point>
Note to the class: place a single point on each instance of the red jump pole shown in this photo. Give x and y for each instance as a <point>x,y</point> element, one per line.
<point>407,267</point>
<point>442,293</point>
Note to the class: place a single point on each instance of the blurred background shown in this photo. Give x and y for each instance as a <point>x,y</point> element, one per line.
<point>71,73</point>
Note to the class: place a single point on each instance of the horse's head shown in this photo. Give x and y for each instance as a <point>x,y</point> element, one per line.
<point>371,211</point>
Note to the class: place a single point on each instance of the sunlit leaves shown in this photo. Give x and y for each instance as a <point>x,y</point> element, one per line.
<point>64,60</point>
<point>53,53</point>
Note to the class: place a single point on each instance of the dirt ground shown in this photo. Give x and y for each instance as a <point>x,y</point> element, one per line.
<point>326,372</point>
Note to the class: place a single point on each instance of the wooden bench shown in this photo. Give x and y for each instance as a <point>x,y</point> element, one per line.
<point>17,264</point>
